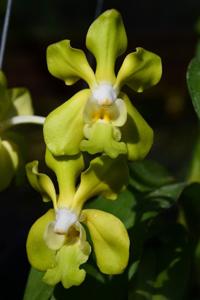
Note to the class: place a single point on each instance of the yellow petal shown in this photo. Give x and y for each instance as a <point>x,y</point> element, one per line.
<point>41,182</point>
<point>136,133</point>
<point>110,240</point>
<point>68,261</point>
<point>63,127</point>
<point>106,39</point>
<point>140,70</point>
<point>105,176</point>
<point>39,255</point>
<point>68,64</point>
<point>67,170</point>
<point>9,162</point>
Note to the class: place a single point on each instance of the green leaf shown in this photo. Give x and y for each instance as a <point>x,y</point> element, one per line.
<point>94,272</point>
<point>172,191</point>
<point>106,39</point>
<point>122,207</point>
<point>193,82</point>
<point>190,202</point>
<point>163,272</point>
<point>194,164</point>
<point>147,175</point>
<point>36,289</point>
<point>140,70</point>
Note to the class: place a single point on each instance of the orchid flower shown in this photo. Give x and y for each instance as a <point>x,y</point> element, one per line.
<point>57,242</point>
<point>15,108</point>
<point>101,119</point>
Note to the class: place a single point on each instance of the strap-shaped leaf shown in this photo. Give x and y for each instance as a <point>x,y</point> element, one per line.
<point>193,79</point>
<point>68,64</point>
<point>36,289</point>
<point>105,176</point>
<point>39,255</point>
<point>140,70</point>
<point>110,240</point>
<point>106,39</point>
<point>63,127</point>
<point>41,182</point>
<point>136,133</point>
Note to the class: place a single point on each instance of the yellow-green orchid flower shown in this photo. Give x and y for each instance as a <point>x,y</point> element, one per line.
<point>101,119</point>
<point>57,242</point>
<point>15,108</point>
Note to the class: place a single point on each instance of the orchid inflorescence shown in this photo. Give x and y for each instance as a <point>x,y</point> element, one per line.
<point>89,141</point>
<point>15,109</point>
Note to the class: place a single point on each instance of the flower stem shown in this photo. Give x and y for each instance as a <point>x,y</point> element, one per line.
<point>5,31</point>
<point>19,120</point>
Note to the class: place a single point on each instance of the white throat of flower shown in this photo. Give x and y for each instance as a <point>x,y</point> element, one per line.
<point>104,94</point>
<point>56,232</point>
<point>65,218</point>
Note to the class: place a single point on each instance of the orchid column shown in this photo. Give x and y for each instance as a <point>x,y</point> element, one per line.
<point>90,139</point>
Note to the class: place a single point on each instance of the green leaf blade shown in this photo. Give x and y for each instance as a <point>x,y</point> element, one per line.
<point>36,289</point>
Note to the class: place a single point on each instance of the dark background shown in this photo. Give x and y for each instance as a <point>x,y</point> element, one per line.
<point>164,27</point>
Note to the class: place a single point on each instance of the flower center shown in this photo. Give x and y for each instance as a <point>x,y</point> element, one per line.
<point>101,115</point>
<point>104,94</point>
<point>65,218</point>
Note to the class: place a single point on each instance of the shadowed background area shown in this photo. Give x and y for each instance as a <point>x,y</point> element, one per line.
<point>166,28</point>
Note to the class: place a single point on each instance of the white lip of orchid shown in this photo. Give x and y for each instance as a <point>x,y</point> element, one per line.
<point>65,218</point>
<point>104,94</point>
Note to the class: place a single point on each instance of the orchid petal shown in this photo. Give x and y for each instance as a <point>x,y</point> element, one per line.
<point>67,170</point>
<point>116,112</point>
<point>40,256</point>
<point>140,70</point>
<point>52,239</point>
<point>104,176</point>
<point>21,102</point>
<point>41,182</point>
<point>9,162</point>
<point>102,139</point>
<point>69,64</point>
<point>136,133</point>
<point>63,127</point>
<point>106,39</point>
<point>68,261</point>
<point>110,240</point>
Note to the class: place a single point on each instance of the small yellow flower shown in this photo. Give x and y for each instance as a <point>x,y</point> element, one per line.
<point>101,119</point>
<point>57,242</point>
